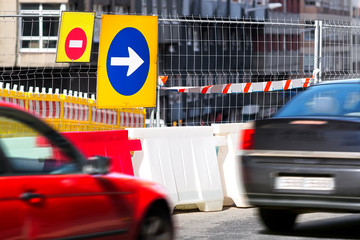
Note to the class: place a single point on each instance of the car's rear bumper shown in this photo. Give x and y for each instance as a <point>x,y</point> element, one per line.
<point>305,202</point>
<point>260,172</point>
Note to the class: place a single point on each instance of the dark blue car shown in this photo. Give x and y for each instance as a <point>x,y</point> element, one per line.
<point>307,157</point>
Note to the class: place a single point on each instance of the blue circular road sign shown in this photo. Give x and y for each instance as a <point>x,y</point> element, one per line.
<point>128,61</point>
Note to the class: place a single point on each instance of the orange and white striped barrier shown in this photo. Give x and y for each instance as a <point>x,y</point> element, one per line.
<point>245,87</point>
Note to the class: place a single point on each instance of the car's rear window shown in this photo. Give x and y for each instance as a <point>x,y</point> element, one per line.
<point>325,100</point>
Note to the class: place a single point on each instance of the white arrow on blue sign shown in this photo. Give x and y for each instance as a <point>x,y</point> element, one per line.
<point>128,61</point>
<point>133,61</point>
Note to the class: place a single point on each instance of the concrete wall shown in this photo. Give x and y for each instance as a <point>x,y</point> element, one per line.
<point>8,34</point>
<point>9,38</point>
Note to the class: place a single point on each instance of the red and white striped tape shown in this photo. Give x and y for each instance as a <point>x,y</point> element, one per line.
<point>245,87</point>
<point>162,80</point>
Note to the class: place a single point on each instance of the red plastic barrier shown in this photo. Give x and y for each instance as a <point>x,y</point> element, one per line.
<point>113,144</point>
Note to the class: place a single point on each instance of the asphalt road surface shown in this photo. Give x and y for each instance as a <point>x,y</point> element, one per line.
<point>239,223</point>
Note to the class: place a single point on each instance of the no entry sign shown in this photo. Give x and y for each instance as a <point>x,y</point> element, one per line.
<point>75,44</point>
<point>75,37</point>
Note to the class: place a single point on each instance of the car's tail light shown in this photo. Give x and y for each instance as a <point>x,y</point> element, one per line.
<point>247,139</point>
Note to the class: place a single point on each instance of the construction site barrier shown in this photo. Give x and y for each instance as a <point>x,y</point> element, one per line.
<point>72,111</point>
<point>230,166</point>
<point>184,161</point>
<point>246,87</point>
<point>113,144</point>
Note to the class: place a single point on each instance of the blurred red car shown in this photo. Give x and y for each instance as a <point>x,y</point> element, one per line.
<point>50,191</point>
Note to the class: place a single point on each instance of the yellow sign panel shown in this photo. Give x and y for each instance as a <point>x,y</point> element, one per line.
<point>75,37</point>
<point>127,61</point>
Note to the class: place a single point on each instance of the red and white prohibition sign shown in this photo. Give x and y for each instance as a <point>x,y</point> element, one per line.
<point>75,43</point>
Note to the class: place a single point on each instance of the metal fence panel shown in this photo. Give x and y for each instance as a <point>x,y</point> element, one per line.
<point>202,52</point>
<point>340,50</point>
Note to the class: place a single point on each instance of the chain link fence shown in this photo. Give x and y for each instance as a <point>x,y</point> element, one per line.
<point>196,54</point>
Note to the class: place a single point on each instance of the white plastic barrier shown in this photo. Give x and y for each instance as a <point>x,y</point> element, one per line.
<point>229,158</point>
<point>183,160</point>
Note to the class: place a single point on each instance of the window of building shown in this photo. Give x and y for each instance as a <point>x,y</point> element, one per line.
<point>143,6</point>
<point>205,40</point>
<point>310,2</point>
<point>100,9</point>
<point>174,9</point>
<point>154,7</point>
<point>164,8</point>
<point>346,5</point>
<point>39,26</point>
<point>234,40</point>
<point>309,34</point>
<point>196,36</point>
<point>72,7</point>
<point>308,62</point>
<point>354,12</point>
<point>121,9</point>
<point>189,36</point>
<point>334,5</point>
<point>316,3</point>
